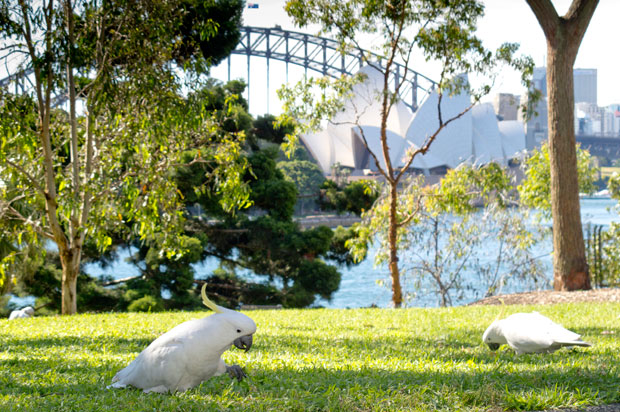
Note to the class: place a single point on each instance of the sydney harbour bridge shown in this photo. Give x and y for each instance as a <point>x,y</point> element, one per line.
<point>317,56</point>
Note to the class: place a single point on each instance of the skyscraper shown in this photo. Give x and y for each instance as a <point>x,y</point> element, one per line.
<point>585,85</point>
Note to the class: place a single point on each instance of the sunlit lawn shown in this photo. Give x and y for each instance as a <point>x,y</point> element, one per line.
<point>311,360</point>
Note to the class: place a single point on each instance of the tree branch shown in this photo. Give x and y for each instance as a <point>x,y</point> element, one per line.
<point>578,18</point>
<point>547,17</point>
<point>27,175</point>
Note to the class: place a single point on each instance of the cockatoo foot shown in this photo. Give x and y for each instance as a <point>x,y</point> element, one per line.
<point>235,371</point>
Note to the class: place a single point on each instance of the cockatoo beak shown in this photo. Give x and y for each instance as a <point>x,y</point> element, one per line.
<point>493,346</point>
<point>244,342</point>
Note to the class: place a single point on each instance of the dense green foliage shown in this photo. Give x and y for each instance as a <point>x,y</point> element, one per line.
<point>308,178</point>
<point>355,197</point>
<point>317,360</point>
<point>266,128</point>
<point>263,238</point>
<point>125,69</point>
<point>603,245</point>
<point>535,189</point>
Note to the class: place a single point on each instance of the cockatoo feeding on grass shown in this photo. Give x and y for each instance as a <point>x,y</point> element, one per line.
<point>530,333</point>
<point>22,313</point>
<point>189,353</point>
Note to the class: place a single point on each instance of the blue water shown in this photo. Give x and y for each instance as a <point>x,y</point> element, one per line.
<point>365,285</point>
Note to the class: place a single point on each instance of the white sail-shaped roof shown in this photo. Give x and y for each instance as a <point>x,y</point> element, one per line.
<point>342,144</point>
<point>396,144</point>
<point>487,144</point>
<point>454,143</point>
<point>364,108</point>
<point>473,136</point>
<point>320,147</point>
<point>512,134</point>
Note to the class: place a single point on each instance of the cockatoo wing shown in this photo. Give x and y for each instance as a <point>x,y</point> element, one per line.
<point>189,353</point>
<point>535,333</point>
<point>18,314</point>
<point>170,361</point>
<point>523,336</point>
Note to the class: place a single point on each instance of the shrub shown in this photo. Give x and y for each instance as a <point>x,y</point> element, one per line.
<point>146,304</point>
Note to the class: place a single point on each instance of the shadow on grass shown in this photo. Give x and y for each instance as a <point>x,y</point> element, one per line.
<point>287,388</point>
<point>454,369</point>
<point>114,344</point>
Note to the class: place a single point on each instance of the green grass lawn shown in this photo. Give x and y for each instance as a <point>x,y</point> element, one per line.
<point>315,360</point>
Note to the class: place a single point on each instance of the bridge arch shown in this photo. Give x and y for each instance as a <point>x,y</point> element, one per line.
<point>322,55</point>
<point>318,54</point>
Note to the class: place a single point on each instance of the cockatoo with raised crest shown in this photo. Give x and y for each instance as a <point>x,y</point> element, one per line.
<point>189,353</point>
<point>530,333</point>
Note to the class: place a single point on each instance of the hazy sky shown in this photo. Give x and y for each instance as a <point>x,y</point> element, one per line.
<point>504,21</point>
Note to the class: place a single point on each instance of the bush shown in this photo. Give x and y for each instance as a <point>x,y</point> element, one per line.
<point>146,304</point>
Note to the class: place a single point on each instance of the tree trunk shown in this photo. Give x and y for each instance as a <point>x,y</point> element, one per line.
<point>564,35</point>
<point>69,290</point>
<point>570,268</point>
<point>397,294</point>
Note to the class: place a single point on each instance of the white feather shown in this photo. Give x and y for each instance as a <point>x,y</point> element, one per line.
<point>22,313</point>
<point>531,333</point>
<point>186,355</point>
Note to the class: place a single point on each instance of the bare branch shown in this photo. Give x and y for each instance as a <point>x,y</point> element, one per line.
<point>30,221</point>
<point>425,147</point>
<point>374,156</point>
<point>121,280</point>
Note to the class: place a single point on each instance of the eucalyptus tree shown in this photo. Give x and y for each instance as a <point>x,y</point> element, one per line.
<point>535,189</point>
<point>407,32</point>
<point>564,35</point>
<point>103,165</point>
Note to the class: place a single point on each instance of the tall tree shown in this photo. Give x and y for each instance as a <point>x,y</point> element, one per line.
<point>564,35</point>
<point>85,174</point>
<point>442,31</point>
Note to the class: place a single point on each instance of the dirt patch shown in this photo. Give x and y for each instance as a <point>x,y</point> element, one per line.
<point>545,297</point>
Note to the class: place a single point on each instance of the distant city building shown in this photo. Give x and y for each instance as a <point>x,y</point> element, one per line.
<point>589,119</point>
<point>536,127</point>
<point>585,85</point>
<point>611,120</point>
<point>506,106</point>
<point>539,78</point>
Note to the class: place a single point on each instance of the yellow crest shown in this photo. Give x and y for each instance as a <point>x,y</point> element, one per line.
<point>208,303</point>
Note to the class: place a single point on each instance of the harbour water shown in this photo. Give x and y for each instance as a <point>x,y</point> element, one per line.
<point>367,285</point>
<point>361,285</point>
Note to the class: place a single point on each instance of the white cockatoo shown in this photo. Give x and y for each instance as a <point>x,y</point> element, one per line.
<point>189,353</point>
<point>530,333</point>
<point>26,312</point>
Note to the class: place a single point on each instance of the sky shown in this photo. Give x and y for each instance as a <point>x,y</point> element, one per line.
<point>504,21</point>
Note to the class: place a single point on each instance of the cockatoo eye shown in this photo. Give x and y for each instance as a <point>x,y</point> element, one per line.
<point>238,330</point>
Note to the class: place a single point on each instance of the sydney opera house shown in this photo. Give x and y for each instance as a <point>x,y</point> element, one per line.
<point>476,137</point>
